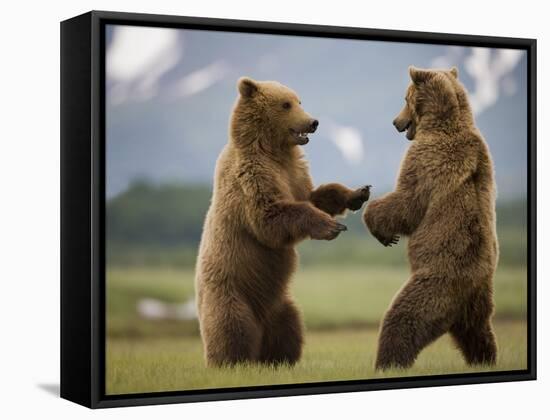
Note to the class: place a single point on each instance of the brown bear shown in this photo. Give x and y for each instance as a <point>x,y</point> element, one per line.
<point>445,202</point>
<point>263,204</point>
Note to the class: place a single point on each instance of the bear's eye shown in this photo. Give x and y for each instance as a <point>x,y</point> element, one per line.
<point>287,105</point>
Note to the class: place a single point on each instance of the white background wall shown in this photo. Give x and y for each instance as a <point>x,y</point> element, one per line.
<point>29,234</point>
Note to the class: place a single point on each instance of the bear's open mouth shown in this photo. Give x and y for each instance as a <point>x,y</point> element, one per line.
<point>411,130</point>
<point>409,126</point>
<point>300,136</point>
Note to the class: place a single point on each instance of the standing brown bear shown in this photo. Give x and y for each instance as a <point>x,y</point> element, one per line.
<point>445,202</point>
<point>263,205</point>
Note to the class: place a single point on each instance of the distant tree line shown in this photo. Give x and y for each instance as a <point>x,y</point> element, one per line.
<point>153,224</point>
<point>169,214</point>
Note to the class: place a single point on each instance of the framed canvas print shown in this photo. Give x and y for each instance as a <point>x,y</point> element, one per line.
<point>255,209</point>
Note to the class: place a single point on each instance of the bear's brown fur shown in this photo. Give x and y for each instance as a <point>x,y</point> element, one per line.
<point>445,202</point>
<point>263,204</point>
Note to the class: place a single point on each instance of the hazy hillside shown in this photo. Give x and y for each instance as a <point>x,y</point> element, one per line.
<point>162,225</point>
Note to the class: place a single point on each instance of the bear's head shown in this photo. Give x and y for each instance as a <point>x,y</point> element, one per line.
<point>271,112</point>
<point>434,97</point>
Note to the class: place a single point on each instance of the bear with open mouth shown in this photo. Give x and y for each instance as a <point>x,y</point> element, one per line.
<point>263,204</point>
<point>444,201</point>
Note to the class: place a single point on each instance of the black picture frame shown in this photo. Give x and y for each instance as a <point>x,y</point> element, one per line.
<point>83,208</point>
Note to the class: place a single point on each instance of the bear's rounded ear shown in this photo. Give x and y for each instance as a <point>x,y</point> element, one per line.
<point>454,72</point>
<point>247,87</point>
<point>419,75</point>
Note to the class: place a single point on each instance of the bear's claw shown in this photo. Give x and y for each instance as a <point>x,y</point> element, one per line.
<point>341,228</point>
<point>338,228</point>
<point>392,241</point>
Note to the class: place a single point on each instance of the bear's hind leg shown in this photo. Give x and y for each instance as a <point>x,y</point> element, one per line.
<point>283,336</point>
<point>420,314</point>
<point>477,344</point>
<point>473,332</point>
<point>230,334</point>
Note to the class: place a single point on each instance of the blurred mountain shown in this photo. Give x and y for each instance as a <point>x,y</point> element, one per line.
<point>170,94</point>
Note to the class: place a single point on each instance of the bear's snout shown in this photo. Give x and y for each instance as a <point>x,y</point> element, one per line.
<point>401,124</point>
<point>313,126</point>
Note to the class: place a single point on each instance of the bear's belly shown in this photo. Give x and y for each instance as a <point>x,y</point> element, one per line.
<point>464,250</point>
<point>238,263</point>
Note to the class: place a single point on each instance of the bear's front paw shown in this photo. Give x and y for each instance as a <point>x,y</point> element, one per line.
<point>358,197</point>
<point>327,229</point>
<point>375,218</point>
<point>387,240</point>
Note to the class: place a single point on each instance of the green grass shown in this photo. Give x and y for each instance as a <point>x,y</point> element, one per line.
<point>330,297</point>
<point>137,365</point>
<point>336,297</point>
<point>342,307</point>
<point>343,288</point>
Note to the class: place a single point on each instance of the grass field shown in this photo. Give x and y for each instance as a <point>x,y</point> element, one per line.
<point>330,297</point>
<point>170,364</point>
<point>342,307</point>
